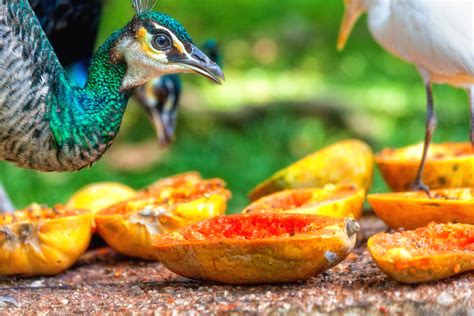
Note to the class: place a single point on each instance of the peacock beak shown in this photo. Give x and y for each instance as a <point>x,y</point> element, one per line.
<point>198,62</point>
<point>352,14</point>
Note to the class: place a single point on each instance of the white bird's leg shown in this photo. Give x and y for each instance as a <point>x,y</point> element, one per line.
<point>6,205</point>
<point>431,123</point>
<point>471,105</point>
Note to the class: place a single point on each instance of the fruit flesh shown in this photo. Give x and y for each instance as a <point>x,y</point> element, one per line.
<point>35,212</point>
<point>449,165</point>
<point>329,201</point>
<point>412,210</point>
<point>257,248</point>
<point>348,163</point>
<point>430,253</point>
<point>250,228</point>
<point>436,152</point>
<point>178,181</point>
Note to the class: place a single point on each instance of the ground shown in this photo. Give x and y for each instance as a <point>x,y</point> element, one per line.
<point>106,282</point>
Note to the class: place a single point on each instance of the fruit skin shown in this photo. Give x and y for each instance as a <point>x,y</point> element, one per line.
<point>44,246</point>
<point>97,196</point>
<point>331,200</point>
<point>443,168</point>
<point>259,261</point>
<point>412,210</point>
<point>348,163</point>
<point>130,227</point>
<point>425,264</point>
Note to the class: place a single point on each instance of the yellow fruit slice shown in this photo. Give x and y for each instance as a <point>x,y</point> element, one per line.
<point>41,241</point>
<point>330,201</point>
<point>411,210</point>
<point>449,165</point>
<point>348,163</point>
<point>130,227</point>
<point>258,248</point>
<point>97,196</point>
<point>430,253</point>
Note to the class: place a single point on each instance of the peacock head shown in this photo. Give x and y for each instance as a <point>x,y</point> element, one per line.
<point>154,44</point>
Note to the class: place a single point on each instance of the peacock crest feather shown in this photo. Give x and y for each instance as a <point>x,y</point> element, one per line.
<point>142,6</point>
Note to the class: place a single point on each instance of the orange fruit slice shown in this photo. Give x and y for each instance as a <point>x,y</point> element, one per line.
<point>257,248</point>
<point>329,201</point>
<point>449,165</point>
<point>131,226</point>
<point>42,241</point>
<point>430,253</point>
<point>411,210</point>
<point>348,163</point>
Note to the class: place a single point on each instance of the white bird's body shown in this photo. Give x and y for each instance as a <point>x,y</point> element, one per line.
<point>435,35</point>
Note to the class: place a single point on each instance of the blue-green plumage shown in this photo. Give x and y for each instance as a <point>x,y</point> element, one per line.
<point>50,124</point>
<point>89,118</point>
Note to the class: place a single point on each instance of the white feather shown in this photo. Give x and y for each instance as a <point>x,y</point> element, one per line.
<point>435,35</point>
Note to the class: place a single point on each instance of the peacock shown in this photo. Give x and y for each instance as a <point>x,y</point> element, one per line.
<point>49,123</point>
<point>65,20</point>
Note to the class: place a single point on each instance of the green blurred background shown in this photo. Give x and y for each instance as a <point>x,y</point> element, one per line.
<point>288,92</point>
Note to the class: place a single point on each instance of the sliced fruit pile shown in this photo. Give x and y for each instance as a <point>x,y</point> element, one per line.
<point>42,241</point>
<point>300,223</point>
<point>449,165</point>
<point>430,252</point>
<point>329,201</point>
<point>427,254</point>
<point>131,226</point>
<point>257,248</point>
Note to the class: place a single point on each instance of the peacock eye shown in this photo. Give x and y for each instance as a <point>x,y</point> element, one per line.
<point>161,42</point>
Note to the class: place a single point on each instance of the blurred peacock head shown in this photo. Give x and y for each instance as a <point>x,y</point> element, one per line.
<point>154,44</point>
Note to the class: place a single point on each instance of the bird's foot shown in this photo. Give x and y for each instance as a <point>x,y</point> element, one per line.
<point>6,301</point>
<point>420,186</point>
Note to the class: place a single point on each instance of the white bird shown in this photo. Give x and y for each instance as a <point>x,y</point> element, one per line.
<point>437,36</point>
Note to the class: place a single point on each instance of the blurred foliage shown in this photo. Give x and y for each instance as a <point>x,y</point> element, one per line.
<point>274,52</point>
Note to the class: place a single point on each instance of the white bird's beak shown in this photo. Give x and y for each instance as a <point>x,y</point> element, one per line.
<point>354,10</point>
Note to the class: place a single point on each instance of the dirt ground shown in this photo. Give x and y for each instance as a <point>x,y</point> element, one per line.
<point>106,282</point>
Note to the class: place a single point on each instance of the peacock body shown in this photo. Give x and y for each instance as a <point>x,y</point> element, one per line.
<point>47,122</point>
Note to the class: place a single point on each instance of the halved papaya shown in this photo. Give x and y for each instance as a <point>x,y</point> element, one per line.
<point>449,165</point>
<point>329,201</point>
<point>130,227</point>
<point>411,210</point>
<point>257,248</point>
<point>348,163</point>
<point>42,241</point>
<point>431,253</point>
<point>97,196</point>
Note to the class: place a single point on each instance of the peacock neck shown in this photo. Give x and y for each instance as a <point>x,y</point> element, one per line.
<point>89,118</point>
